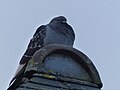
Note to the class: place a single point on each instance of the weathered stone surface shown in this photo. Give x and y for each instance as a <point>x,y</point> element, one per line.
<point>66,64</point>
<point>37,83</point>
<point>60,67</point>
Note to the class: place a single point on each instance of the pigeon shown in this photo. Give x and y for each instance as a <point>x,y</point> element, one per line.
<point>58,31</point>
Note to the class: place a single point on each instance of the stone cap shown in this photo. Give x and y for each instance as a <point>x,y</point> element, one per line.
<point>83,70</point>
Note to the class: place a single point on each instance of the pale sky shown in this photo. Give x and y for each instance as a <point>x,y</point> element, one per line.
<point>96,24</point>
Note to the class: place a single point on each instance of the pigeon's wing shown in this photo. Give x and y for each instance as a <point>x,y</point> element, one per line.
<point>34,45</point>
<point>39,29</point>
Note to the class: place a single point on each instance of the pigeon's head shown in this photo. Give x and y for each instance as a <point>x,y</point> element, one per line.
<point>59,19</point>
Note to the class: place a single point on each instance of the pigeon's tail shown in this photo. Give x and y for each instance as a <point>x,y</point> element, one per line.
<point>19,72</point>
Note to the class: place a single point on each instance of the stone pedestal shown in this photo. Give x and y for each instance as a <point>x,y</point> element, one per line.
<point>59,67</point>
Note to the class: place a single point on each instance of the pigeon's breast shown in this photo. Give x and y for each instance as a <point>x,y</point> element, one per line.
<point>56,36</point>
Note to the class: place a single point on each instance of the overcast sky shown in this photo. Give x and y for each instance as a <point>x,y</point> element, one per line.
<point>96,24</point>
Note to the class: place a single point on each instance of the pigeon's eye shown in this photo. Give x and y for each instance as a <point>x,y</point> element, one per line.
<point>64,21</point>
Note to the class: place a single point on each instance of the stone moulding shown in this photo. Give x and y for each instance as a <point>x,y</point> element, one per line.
<point>38,59</point>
